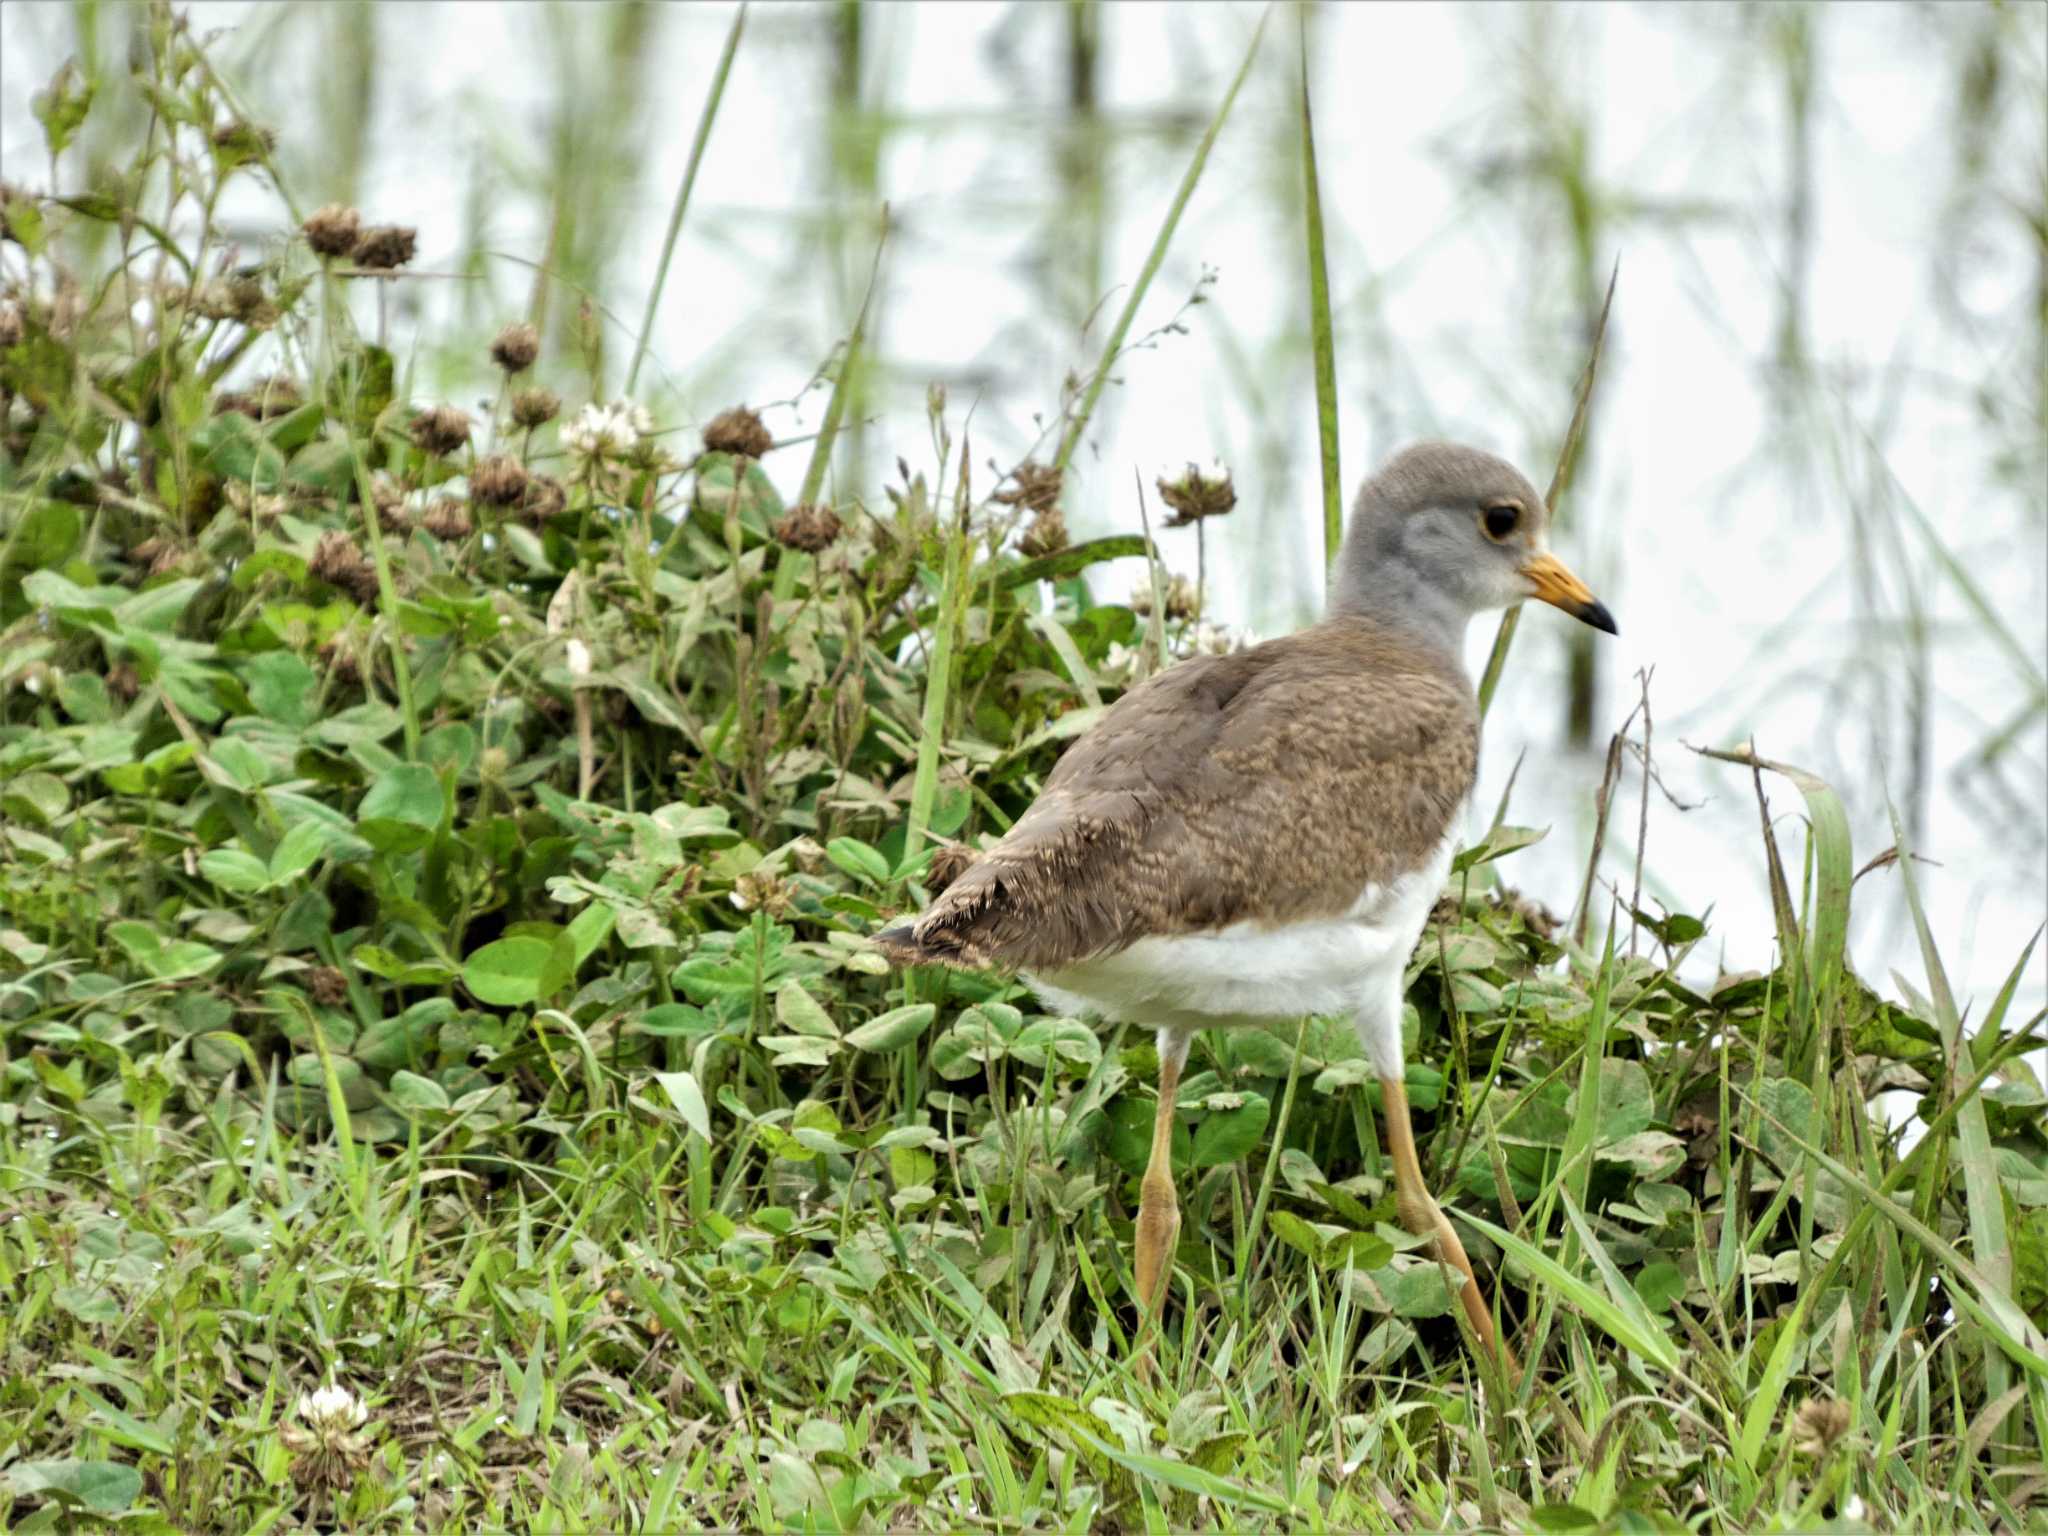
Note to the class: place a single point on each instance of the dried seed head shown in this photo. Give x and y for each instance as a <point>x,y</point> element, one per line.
<point>447,518</point>
<point>11,326</point>
<point>1178,591</point>
<point>808,527</point>
<point>1034,487</point>
<point>238,141</point>
<point>384,247</point>
<point>341,660</point>
<point>808,854</point>
<point>1818,1424</point>
<point>123,682</point>
<point>545,498</point>
<point>333,230</point>
<point>498,481</point>
<point>535,407</point>
<point>439,430</point>
<point>393,516</point>
<point>759,890</point>
<point>516,347</point>
<point>738,430</point>
<point>339,563</point>
<point>1197,494</point>
<point>274,396</point>
<point>248,303</point>
<point>327,985</point>
<point>145,553</point>
<point>1047,534</point>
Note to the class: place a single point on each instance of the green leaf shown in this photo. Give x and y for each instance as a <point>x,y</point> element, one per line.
<point>40,797</point>
<point>1066,1040</point>
<point>1562,1519</point>
<point>1498,843</point>
<point>1228,1136</point>
<point>61,107</point>
<point>299,850</point>
<point>892,1030</point>
<point>688,1097</point>
<point>410,793</point>
<point>1660,1285</point>
<point>233,870</point>
<point>507,974</point>
<point>799,1013</point>
<point>282,687</point>
<point>410,1094</point>
<point>858,859</point>
<point>104,1487</point>
<point>402,809</point>
<point>44,537</point>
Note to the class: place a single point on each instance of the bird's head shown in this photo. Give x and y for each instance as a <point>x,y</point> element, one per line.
<point>1450,526</point>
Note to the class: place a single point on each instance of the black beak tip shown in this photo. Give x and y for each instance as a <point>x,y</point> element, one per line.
<point>1596,614</point>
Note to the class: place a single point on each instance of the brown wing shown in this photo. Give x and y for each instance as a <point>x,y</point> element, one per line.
<point>1269,785</point>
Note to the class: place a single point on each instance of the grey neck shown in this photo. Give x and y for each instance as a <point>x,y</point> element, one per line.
<point>1379,583</point>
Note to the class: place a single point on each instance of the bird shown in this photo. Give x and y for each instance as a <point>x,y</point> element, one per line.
<point>1249,838</point>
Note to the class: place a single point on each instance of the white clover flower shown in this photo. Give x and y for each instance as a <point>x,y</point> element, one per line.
<point>579,658</point>
<point>329,1451</point>
<point>332,1410</point>
<point>1119,661</point>
<point>607,431</point>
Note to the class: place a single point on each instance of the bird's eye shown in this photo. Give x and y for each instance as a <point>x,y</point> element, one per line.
<point>1499,521</point>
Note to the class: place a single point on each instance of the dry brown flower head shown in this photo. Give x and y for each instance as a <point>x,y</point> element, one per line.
<point>498,481</point>
<point>535,407</point>
<point>1034,487</point>
<point>1047,534</point>
<point>447,518</point>
<point>740,431</point>
<point>385,247</point>
<point>1818,1424</point>
<point>515,347</point>
<point>1197,494</point>
<point>439,430</point>
<point>545,498</point>
<point>808,527</point>
<point>333,230</point>
<point>338,562</point>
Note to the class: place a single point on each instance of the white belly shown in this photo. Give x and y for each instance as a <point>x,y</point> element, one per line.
<point>1254,972</point>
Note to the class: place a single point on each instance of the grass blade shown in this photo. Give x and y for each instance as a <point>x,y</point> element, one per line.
<point>1560,481</point>
<point>1321,331</point>
<point>835,411</point>
<point>1625,1325</point>
<point>1157,255</point>
<point>705,119</point>
<point>1982,1197</point>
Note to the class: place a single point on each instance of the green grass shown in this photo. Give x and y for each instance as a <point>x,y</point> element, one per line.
<point>345,1040</point>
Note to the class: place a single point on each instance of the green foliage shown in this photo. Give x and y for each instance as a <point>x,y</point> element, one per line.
<point>434,959</point>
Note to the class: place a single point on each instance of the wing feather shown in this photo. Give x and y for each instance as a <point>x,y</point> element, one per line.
<point>1269,785</point>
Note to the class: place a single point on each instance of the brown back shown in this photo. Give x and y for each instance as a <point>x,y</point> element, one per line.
<point>1269,785</point>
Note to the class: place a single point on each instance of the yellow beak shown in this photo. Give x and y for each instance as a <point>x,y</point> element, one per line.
<point>1551,581</point>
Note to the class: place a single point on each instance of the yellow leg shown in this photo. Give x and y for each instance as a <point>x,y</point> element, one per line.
<point>1421,1215</point>
<point>1158,1209</point>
